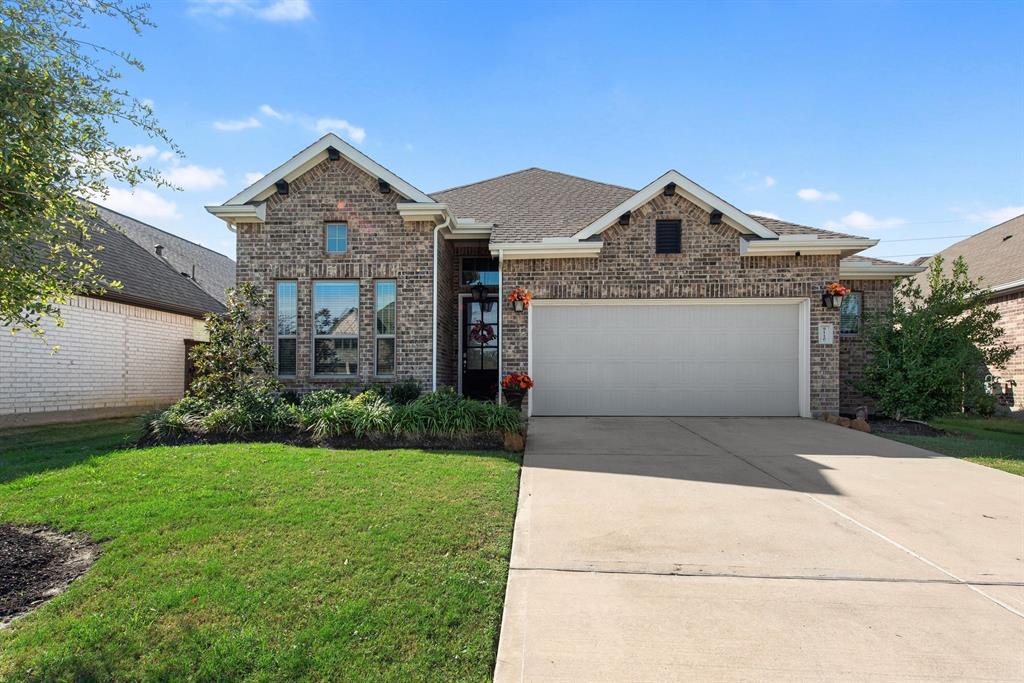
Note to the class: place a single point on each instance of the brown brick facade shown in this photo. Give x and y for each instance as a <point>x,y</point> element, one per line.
<point>1011,307</point>
<point>876,297</point>
<point>709,266</point>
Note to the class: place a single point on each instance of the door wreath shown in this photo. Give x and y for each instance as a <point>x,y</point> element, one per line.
<point>481,333</point>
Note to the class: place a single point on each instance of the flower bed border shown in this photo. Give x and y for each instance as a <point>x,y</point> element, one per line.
<point>479,441</point>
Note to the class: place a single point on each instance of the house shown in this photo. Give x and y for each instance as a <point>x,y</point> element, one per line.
<point>121,352</point>
<point>666,300</point>
<point>996,256</point>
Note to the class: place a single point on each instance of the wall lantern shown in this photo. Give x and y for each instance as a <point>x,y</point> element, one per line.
<point>333,154</point>
<point>624,219</point>
<point>282,186</point>
<point>480,292</point>
<point>716,217</point>
<point>833,295</point>
<point>383,186</point>
<point>670,189</point>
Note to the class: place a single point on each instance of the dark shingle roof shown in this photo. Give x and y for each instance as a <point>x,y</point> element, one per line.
<point>147,279</point>
<point>996,254</point>
<point>529,205</point>
<point>214,272</point>
<point>785,228</point>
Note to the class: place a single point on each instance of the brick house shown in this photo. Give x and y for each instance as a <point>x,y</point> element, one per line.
<point>666,300</point>
<point>996,256</point>
<point>121,352</point>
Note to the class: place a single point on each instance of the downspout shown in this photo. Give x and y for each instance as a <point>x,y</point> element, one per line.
<point>433,353</point>
<point>501,321</point>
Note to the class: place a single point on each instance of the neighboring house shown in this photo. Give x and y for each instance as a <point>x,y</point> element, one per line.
<point>666,300</point>
<point>996,256</point>
<point>120,352</point>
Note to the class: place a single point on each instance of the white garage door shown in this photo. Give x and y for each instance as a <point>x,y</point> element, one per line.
<point>699,358</point>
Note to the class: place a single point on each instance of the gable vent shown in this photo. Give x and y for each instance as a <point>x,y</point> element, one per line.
<point>668,237</point>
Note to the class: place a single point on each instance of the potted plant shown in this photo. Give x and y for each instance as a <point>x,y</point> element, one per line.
<point>520,298</point>
<point>833,296</point>
<point>514,387</point>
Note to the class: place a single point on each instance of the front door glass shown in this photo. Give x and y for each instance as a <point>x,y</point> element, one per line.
<point>480,338</point>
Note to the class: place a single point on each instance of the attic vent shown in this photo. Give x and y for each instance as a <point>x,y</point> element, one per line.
<point>159,249</point>
<point>670,189</point>
<point>333,154</point>
<point>716,217</point>
<point>282,186</point>
<point>668,237</point>
<point>383,186</point>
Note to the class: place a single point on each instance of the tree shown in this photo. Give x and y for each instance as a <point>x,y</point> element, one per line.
<point>59,101</point>
<point>235,358</point>
<point>930,352</point>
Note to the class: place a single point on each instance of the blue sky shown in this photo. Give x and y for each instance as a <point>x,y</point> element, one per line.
<point>894,120</point>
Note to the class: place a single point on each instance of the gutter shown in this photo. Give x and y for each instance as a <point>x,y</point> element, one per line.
<point>433,348</point>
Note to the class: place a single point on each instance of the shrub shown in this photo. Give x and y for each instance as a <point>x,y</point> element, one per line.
<point>183,417</point>
<point>406,391</point>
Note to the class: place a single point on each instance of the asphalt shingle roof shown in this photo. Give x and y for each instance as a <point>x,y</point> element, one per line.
<point>996,254</point>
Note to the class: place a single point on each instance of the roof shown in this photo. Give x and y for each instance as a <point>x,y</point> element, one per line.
<point>214,272</point>
<point>147,279</point>
<point>996,255</point>
<point>529,205</point>
<point>785,228</point>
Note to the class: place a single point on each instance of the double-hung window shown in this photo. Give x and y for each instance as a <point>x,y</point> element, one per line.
<point>385,322</point>
<point>850,314</point>
<point>286,311</point>
<point>335,327</point>
<point>336,235</point>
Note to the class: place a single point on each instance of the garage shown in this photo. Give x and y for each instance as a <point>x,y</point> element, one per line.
<point>709,357</point>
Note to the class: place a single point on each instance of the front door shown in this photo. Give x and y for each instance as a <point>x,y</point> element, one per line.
<point>480,338</point>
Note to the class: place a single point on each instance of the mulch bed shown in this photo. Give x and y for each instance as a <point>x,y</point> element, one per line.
<point>481,441</point>
<point>36,564</point>
<point>887,425</point>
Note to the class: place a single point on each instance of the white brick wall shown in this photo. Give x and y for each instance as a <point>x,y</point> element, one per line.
<point>111,356</point>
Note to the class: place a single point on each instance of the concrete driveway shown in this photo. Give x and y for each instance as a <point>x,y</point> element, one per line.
<point>704,549</point>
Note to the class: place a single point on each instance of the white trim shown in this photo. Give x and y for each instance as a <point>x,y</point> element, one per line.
<point>694,192</point>
<point>416,211</point>
<point>233,215</point>
<point>809,245</point>
<point>804,362</point>
<point>313,155</point>
<point>1003,288</point>
<point>529,357</point>
<point>501,321</point>
<point>862,270</point>
<point>532,250</point>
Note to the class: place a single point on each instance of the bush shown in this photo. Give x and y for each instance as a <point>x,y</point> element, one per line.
<point>406,391</point>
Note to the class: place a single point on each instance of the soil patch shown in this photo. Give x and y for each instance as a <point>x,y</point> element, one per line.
<point>36,564</point>
<point>887,425</point>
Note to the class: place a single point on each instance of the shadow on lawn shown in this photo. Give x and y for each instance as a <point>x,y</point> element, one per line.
<point>29,450</point>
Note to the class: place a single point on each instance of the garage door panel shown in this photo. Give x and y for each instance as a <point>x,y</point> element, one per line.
<point>666,359</point>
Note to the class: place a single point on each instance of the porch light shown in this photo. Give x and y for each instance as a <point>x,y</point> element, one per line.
<point>716,217</point>
<point>282,186</point>
<point>479,291</point>
<point>670,189</point>
<point>624,219</point>
<point>383,186</point>
<point>333,154</point>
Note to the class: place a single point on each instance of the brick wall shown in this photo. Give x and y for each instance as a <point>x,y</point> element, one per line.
<point>113,359</point>
<point>1012,309</point>
<point>876,297</point>
<point>290,246</point>
<point>709,267</point>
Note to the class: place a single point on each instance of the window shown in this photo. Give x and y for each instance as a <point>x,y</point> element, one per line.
<point>849,314</point>
<point>337,238</point>
<point>668,237</point>
<point>286,309</point>
<point>385,319</point>
<point>335,328</point>
<point>480,270</point>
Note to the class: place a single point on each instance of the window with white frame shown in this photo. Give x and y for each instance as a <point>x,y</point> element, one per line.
<point>336,235</point>
<point>385,323</point>
<point>335,327</point>
<point>850,314</point>
<point>286,310</point>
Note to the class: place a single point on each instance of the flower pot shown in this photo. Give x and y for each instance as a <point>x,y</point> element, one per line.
<point>514,398</point>
<point>518,306</point>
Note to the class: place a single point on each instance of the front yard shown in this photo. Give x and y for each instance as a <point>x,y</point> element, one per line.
<point>996,441</point>
<point>261,561</point>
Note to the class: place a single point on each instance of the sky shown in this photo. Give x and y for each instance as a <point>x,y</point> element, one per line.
<point>898,121</point>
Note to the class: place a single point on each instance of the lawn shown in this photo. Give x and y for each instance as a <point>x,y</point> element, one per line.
<point>996,441</point>
<point>261,561</point>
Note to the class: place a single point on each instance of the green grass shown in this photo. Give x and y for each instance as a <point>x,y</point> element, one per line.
<point>261,561</point>
<point>996,441</point>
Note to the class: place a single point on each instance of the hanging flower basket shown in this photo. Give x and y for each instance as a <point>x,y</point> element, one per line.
<point>514,387</point>
<point>520,298</point>
<point>833,295</point>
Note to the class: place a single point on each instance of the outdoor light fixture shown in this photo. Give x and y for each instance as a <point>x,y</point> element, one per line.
<point>716,217</point>
<point>480,296</point>
<point>624,219</point>
<point>670,189</point>
<point>333,154</point>
<point>282,186</point>
<point>383,186</point>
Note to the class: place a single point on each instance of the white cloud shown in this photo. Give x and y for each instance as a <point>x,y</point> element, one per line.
<point>143,152</point>
<point>267,110</point>
<point>809,194</point>
<point>252,176</point>
<point>193,177</point>
<point>237,125</point>
<point>769,181</point>
<point>764,214</point>
<point>354,133</point>
<point>991,217</point>
<point>138,203</point>
<point>271,10</point>
<point>167,156</point>
<point>858,220</point>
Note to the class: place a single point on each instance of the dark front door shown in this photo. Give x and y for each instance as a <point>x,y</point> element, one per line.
<point>480,335</point>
